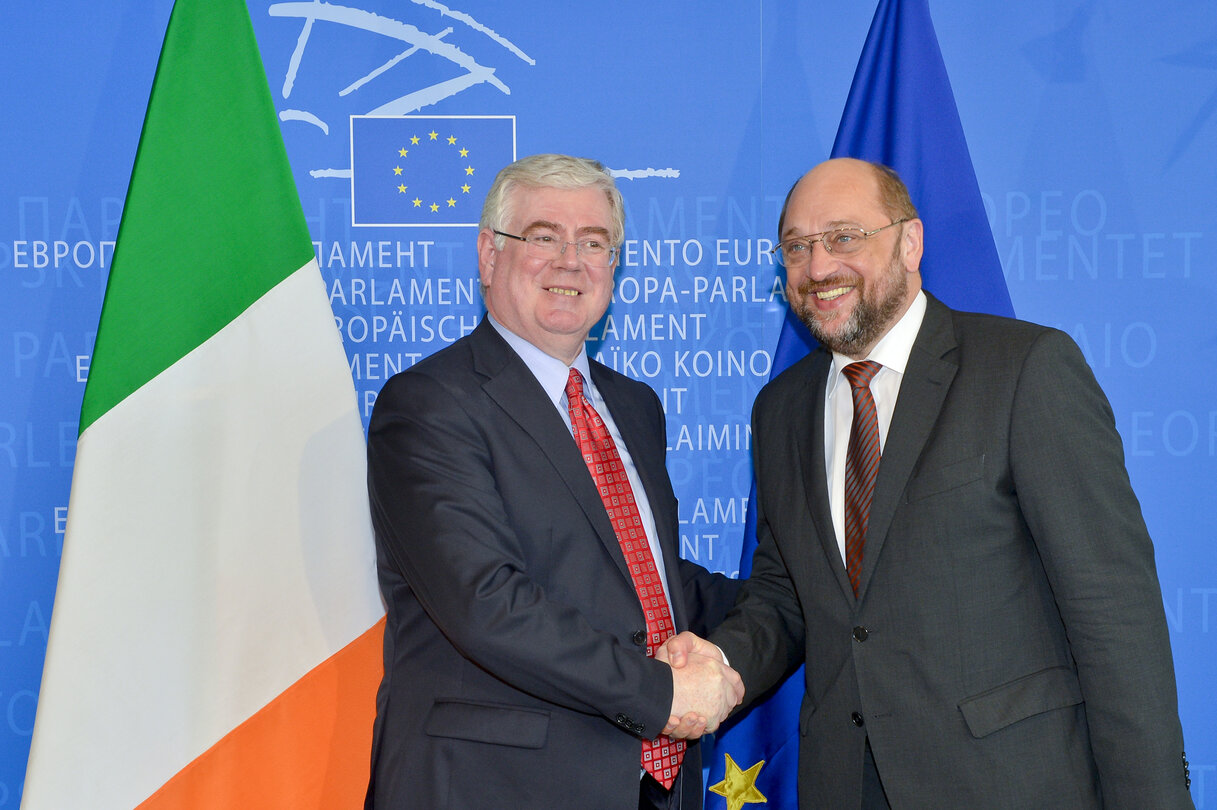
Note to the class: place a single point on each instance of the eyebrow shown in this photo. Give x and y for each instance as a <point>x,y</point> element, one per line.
<point>835,225</point>
<point>553,226</point>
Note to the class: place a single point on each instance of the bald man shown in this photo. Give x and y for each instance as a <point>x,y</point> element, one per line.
<point>948,540</point>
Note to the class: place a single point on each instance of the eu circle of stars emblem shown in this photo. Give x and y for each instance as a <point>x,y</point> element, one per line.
<point>425,170</point>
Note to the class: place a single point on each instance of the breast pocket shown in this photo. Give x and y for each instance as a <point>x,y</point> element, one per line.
<point>944,479</point>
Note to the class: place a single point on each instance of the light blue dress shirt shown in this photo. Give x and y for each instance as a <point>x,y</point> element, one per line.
<point>552,374</point>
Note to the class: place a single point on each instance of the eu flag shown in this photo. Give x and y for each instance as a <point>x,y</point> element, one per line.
<point>900,112</point>
<point>413,170</point>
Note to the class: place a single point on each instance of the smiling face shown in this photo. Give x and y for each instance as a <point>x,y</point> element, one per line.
<point>849,302</point>
<point>551,303</point>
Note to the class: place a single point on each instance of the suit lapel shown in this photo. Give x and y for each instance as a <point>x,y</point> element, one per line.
<point>514,388</point>
<point>810,441</point>
<point>927,378</point>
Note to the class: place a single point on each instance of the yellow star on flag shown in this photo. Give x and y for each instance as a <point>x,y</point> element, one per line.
<point>402,152</point>
<point>434,207</point>
<point>414,140</point>
<point>738,786</point>
<point>465,189</point>
<point>451,203</point>
<point>401,189</point>
<point>397,170</point>
<point>417,202</point>
<point>433,135</point>
<point>464,153</point>
<point>451,139</point>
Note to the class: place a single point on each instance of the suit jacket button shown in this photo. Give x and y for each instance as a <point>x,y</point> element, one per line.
<point>860,633</point>
<point>856,719</point>
<point>639,638</point>
<point>622,720</point>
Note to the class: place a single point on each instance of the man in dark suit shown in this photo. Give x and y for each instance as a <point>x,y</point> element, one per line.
<point>517,647</point>
<point>973,590</point>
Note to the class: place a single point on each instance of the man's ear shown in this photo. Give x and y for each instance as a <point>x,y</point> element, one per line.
<point>487,254</point>
<point>912,245</point>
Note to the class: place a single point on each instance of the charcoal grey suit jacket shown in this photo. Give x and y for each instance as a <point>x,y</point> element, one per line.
<point>1008,644</point>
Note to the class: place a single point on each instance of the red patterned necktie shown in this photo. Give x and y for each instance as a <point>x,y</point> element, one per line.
<point>861,465</point>
<point>662,756</point>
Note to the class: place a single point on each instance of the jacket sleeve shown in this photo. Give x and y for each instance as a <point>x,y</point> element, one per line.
<point>763,635</point>
<point>1074,492</point>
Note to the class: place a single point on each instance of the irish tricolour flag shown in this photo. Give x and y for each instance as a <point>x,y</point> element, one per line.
<point>215,639</point>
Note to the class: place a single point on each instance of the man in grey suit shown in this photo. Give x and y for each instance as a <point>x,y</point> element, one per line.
<point>989,631</point>
<point>517,646</point>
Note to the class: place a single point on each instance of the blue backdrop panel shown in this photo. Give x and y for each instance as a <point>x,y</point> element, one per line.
<point>1091,128</point>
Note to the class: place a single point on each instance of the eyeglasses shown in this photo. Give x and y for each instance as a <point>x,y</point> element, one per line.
<point>796,251</point>
<point>595,252</point>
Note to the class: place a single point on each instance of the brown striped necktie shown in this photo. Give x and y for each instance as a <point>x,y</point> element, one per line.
<point>861,465</point>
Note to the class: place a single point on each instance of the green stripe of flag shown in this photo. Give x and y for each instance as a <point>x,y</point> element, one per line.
<point>212,219</point>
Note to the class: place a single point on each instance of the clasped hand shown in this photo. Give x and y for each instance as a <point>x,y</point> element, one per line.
<point>705,689</point>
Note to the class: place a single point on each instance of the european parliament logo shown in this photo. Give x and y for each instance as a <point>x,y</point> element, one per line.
<point>414,170</point>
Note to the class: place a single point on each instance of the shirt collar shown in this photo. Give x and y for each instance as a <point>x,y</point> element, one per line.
<point>893,349</point>
<point>550,372</point>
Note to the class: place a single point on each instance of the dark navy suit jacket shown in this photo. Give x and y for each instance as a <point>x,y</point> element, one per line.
<point>515,665</point>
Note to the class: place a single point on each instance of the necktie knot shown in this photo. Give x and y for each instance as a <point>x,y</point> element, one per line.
<point>860,374</point>
<point>574,385</point>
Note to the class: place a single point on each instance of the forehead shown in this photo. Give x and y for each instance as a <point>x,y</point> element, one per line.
<point>835,194</point>
<point>577,208</point>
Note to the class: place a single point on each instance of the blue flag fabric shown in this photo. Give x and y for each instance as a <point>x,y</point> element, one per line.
<point>900,112</point>
<point>414,170</point>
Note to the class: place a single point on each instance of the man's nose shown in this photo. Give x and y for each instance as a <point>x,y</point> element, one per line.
<point>569,255</point>
<point>820,263</point>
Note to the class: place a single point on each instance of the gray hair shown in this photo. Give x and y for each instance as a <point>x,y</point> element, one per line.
<point>550,171</point>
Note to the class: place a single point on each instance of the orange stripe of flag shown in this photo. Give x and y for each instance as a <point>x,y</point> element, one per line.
<point>310,747</point>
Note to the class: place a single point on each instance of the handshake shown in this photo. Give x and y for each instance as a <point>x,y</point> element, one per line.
<point>704,688</point>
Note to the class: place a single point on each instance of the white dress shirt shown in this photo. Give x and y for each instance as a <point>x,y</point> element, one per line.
<point>892,352</point>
